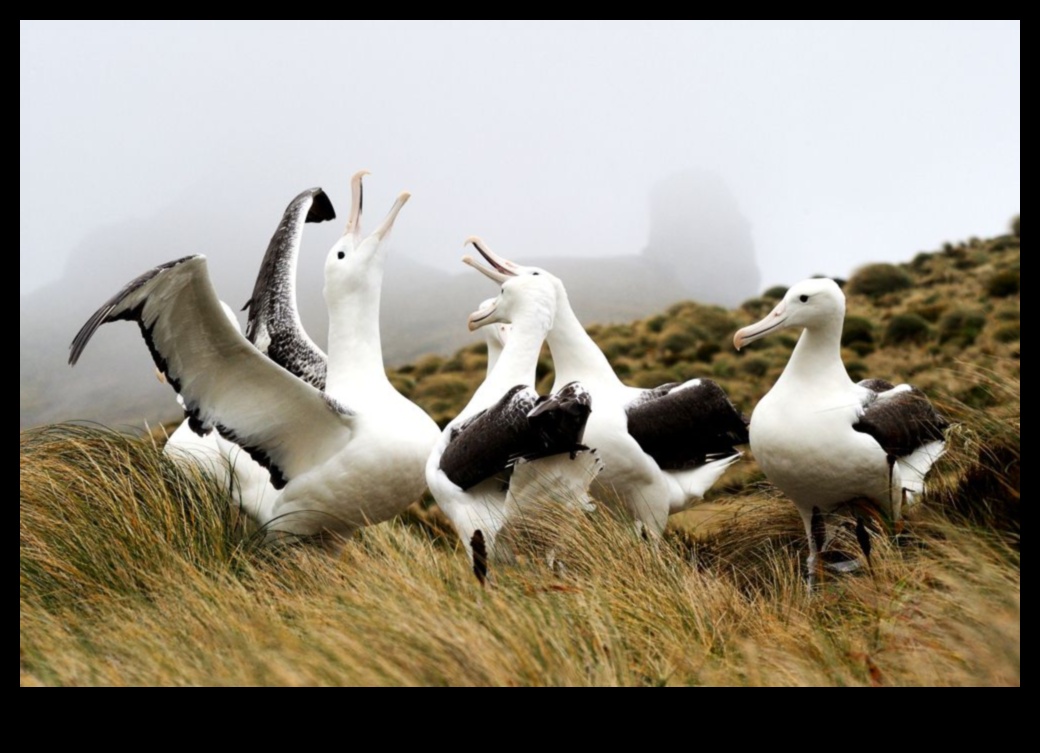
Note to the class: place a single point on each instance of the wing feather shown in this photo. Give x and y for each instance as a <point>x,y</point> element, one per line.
<point>274,325</point>
<point>685,425</point>
<point>284,423</point>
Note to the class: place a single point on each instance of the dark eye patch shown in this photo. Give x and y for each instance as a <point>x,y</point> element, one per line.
<point>803,298</point>
<point>340,255</point>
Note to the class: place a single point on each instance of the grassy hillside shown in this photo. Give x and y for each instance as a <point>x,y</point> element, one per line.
<point>132,573</point>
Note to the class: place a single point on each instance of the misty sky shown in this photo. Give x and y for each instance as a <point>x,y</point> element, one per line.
<point>842,142</point>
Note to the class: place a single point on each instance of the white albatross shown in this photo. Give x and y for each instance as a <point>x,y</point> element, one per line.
<point>349,456</point>
<point>662,448</point>
<point>509,449</point>
<point>827,442</point>
<point>274,296</point>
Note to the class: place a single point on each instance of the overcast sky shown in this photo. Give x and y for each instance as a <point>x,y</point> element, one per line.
<point>842,142</point>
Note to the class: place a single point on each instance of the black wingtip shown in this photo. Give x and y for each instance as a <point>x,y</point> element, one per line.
<point>480,558</point>
<point>321,208</point>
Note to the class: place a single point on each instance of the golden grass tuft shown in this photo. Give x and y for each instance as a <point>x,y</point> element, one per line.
<point>134,574</point>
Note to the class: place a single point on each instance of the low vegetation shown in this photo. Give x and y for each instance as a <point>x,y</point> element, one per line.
<point>134,573</point>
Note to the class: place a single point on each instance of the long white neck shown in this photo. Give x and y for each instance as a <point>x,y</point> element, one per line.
<point>576,357</point>
<point>816,359</point>
<point>355,349</point>
<point>516,365</point>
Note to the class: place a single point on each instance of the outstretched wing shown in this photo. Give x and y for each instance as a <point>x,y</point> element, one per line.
<point>900,418</point>
<point>685,425</point>
<point>284,423</point>
<point>274,325</point>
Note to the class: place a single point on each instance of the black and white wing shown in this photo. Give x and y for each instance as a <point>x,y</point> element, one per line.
<point>900,418</point>
<point>284,423</point>
<point>488,442</point>
<point>684,425</point>
<point>274,325</point>
<point>558,421</point>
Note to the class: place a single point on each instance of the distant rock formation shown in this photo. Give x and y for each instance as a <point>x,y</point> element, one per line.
<point>699,248</point>
<point>699,236</point>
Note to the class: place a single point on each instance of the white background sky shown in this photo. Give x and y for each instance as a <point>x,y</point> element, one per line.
<point>842,142</point>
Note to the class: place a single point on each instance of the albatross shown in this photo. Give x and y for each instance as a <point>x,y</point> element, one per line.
<point>828,442</point>
<point>347,456</point>
<point>281,336</point>
<point>662,448</point>
<point>509,449</point>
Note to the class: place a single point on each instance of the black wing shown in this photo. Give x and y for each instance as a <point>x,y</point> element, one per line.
<point>558,422</point>
<point>274,325</point>
<point>901,419</point>
<point>519,426</point>
<point>487,444</point>
<point>683,426</point>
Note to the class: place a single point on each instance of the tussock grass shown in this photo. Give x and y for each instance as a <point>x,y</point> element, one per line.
<point>133,573</point>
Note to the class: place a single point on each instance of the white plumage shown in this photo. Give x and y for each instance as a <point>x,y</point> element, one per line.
<point>662,449</point>
<point>509,450</point>
<point>826,441</point>
<point>348,456</point>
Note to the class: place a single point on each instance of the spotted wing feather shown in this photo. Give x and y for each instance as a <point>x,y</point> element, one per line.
<point>274,325</point>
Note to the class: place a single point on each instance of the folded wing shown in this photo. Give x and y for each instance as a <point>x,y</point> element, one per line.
<point>685,425</point>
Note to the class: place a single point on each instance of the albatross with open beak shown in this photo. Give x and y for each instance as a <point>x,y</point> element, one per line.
<point>662,448</point>
<point>510,450</point>
<point>347,456</point>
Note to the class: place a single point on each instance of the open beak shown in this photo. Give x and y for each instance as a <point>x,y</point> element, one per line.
<point>482,316</point>
<point>503,268</point>
<point>388,223</point>
<point>356,191</point>
<point>776,319</point>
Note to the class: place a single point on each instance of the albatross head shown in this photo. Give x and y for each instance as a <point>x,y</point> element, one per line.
<point>526,298</point>
<point>808,304</point>
<point>502,269</point>
<point>354,260</point>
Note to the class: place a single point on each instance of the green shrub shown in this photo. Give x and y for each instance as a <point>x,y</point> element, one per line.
<point>1003,284</point>
<point>706,351</point>
<point>921,261</point>
<point>878,279</point>
<point>930,311</point>
<point>656,323</point>
<point>961,327</point>
<point>906,328</point>
<point>1008,333</point>
<point>758,307</point>
<point>677,341</point>
<point>1016,226</point>
<point>857,370</point>
<point>858,333</point>
<point>444,386</point>
<point>776,292</point>
<point>1005,243</point>
<point>755,366</point>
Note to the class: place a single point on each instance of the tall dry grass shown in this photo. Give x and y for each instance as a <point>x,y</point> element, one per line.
<point>133,573</point>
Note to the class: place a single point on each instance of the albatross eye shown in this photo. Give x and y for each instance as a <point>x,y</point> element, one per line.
<point>803,298</point>
<point>536,273</point>
<point>340,255</point>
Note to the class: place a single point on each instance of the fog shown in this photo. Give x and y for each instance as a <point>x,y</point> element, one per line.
<point>841,142</point>
<point>728,157</point>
